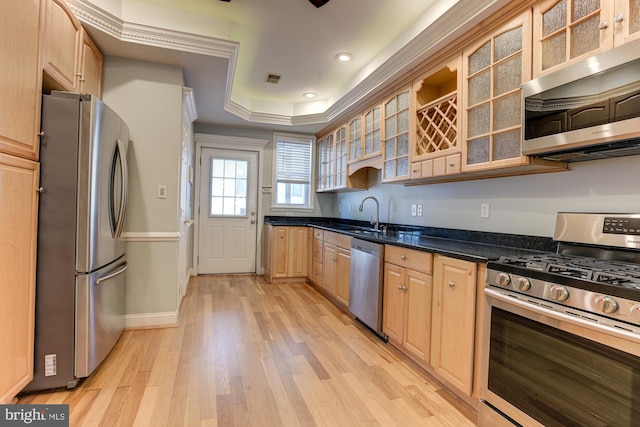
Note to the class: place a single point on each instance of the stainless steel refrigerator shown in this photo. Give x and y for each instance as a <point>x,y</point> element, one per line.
<point>81,259</point>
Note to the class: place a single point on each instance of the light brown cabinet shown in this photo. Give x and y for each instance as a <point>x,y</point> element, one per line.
<point>332,264</point>
<point>71,61</point>
<point>453,324</point>
<point>332,163</point>
<point>566,31</point>
<point>493,69</point>
<point>285,253</point>
<point>397,120</point>
<point>18,231</point>
<point>407,300</point>
<point>20,77</point>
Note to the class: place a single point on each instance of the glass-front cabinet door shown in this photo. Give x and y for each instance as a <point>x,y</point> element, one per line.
<point>372,132</point>
<point>340,180</point>
<point>626,21</point>
<point>567,30</point>
<point>321,164</point>
<point>354,138</point>
<point>396,137</point>
<point>493,71</point>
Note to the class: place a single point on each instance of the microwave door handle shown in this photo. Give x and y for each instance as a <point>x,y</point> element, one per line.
<point>124,196</point>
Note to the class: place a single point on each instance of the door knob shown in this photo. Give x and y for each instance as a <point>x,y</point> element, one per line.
<point>253,221</point>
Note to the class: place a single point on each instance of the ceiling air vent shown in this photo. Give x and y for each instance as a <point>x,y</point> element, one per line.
<point>273,78</point>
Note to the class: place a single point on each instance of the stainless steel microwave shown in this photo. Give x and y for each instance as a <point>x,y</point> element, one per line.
<point>587,110</point>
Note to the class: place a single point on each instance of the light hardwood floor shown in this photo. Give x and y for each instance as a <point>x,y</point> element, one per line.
<point>248,353</point>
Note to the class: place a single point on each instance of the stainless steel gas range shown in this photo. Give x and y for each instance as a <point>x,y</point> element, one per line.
<point>561,332</point>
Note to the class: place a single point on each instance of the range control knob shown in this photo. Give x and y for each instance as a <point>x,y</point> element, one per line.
<point>635,311</point>
<point>503,279</point>
<point>559,293</point>
<point>606,304</point>
<point>523,283</point>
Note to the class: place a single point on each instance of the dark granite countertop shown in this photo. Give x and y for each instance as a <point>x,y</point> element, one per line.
<point>475,246</point>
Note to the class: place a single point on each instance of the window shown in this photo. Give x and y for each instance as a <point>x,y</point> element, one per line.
<point>228,187</point>
<point>292,171</point>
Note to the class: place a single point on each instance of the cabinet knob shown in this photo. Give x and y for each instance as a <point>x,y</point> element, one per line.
<point>40,190</point>
<point>619,18</point>
<point>603,25</point>
<point>402,257</point>
<point>451,284</point>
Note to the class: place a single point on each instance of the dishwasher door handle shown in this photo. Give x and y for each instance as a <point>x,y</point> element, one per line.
<point>365,250</point>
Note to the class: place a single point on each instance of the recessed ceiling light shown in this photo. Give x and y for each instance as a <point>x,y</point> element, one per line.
<point>309,95</point>
<point>344,57</point>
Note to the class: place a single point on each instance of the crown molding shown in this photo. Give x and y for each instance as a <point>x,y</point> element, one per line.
<point>190,103</point>
<point>451,24</point>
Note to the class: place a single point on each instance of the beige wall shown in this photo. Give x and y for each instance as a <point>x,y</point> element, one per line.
<point>148,96</point>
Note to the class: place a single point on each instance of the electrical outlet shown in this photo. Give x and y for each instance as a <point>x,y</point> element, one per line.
<point>484,210</point>
<point>413,210</point>
<point>419,210</point>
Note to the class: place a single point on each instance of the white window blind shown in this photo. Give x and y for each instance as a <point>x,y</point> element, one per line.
<point>293,162</point>
<point>292,171</point>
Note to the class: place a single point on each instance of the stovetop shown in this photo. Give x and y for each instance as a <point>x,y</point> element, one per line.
<point>583,268</point>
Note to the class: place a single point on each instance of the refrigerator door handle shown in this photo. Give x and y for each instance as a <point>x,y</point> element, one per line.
<point>119,271</point>
<point>124,190</point>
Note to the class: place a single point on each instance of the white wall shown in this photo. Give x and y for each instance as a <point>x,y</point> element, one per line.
<point>148,96</point>
<point>520,205</point>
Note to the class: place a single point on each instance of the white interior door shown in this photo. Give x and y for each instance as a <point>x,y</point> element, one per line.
<point>228,211</point>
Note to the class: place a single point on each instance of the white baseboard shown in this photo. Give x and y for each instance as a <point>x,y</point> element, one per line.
<point>151,320</point>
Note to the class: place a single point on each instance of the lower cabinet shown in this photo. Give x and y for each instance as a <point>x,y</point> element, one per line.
<point>286,252</point>
<point>407,300</point>
<point>453,322</point>
<point>18,231</point>
<point>331,264</point>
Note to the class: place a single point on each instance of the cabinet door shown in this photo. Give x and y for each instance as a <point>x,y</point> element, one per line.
<point>340,180</point>
<point>21,77</point>
<point>18,223</point>
<point>60,47</point>
<point>330,253</point>
<point>372,132</point>
<point>627,21</point>
<point>268,251</point>
<point>91,64</point>
<point>453,327</point>
<point>343,273</point>
<point>280,251</point>
<point>395,155</point>
<point>321,164</point>
<point>394,297</point>
<point>417,324</point>
<point>565,31</point>
<point>354,138</point>
<point>298,256</point>
<point>493,71</point>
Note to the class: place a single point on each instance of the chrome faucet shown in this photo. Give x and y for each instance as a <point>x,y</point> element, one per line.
<point>375,223</point>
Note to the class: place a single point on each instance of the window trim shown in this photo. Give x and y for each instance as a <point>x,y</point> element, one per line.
<point>311,140</point>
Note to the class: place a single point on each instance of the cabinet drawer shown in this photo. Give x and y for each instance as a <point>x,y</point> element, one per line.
<point>409,258</point>
<point>340,240</point>
<point>318,234</point>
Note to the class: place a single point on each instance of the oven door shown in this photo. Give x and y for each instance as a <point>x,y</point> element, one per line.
<point>544,365</point>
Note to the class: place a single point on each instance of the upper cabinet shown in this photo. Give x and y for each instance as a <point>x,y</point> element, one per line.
<point>91,65</point>
<point>372,132</point>
<point>437,123</point>
<point>21,77</point>
<point>71,61</point>
<point>396,125</point>
<point>331,161</point>
<point>494,69</point>
<point>565,31</point>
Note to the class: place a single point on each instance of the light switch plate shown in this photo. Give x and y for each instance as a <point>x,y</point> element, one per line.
<point>413,210</point>
<point>162,191</point>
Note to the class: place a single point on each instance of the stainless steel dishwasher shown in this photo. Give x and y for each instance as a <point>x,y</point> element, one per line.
<point>365,286</point>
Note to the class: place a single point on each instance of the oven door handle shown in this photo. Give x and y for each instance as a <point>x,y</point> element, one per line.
<point>534,308</point>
